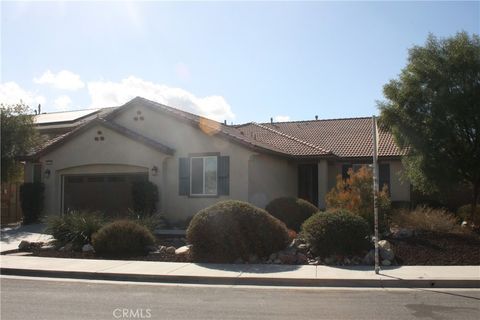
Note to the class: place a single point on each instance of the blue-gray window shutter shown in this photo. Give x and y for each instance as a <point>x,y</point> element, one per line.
<point>223,174</point>
<point>184,177</point>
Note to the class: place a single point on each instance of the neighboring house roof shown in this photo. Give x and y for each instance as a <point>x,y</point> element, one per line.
<point>63,116</point>
<point>337,138</point>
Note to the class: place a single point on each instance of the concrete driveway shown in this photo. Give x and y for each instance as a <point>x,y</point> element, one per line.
<point>12,236</point>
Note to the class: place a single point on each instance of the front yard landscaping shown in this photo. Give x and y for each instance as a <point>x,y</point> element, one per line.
<point>290,231</point>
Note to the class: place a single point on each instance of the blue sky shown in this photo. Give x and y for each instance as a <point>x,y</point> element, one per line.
<point>239,61</point>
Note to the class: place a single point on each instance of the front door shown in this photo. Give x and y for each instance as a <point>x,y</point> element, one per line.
<point>308,182</point>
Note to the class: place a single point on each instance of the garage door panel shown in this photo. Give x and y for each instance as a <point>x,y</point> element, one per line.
<point>110,194</point>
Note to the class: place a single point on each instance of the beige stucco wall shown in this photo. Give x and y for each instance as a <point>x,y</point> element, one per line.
<point>84,155</point>
<point>257,178</point>
<point>270,178</point>
<point>399,189</point>
<point>186,140</point>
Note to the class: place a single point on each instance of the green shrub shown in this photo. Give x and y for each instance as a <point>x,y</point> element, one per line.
<point>74,227</point>
<point>151,222</point>
<point>336,232</point>
<point>123,238</point>
<point>31,199</point>
<point>463,213</point>
<point>232,229</point>
<point>144,197</point>
<point>292,211</point>
<point>426,219</point>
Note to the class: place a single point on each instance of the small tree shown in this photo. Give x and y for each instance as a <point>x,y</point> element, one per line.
<point>355,194</point>
<point>433,109</point>
<point>18,137</point>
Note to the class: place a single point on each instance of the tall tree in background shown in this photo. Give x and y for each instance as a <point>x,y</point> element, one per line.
<point>433,109</point>
<point>18,137</point>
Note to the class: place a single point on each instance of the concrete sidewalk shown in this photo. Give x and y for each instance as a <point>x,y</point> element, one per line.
<point>255,274</point>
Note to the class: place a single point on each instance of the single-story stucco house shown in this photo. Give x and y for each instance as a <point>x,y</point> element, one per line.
<point>94,155</point>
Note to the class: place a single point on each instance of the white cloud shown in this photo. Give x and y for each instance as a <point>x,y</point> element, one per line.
<point>62,103</point>
<point>11,93</point>
<point>107,94</point>
<point>280,118</point>
<point>65,80</point>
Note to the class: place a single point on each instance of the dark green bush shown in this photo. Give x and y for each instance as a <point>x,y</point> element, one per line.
<point>144,197</point>
<point>336,232</point>
<point>74,227</point>
<point>31,199</point>
<point>233,229</point>
<point>292,211</point>
<point>123,238</point>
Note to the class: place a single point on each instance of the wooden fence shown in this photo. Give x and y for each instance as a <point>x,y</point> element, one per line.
<point>11,208</point>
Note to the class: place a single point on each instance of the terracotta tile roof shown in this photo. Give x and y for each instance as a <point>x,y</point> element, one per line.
<point>345,138</point>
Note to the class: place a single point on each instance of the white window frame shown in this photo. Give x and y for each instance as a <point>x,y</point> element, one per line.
<point>204,180</point>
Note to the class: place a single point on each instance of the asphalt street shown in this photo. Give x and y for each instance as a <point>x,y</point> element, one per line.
<point>27,298</point>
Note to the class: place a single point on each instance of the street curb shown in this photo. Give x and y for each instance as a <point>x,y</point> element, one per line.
<point>252,281</point>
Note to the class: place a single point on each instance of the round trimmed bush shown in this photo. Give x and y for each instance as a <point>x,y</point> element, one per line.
<point>123,238</point>
<point>292,211</point>
<point>231,229</point>
<point>336,232</point>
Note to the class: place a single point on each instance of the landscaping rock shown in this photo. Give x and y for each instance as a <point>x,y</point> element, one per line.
<point>385,250</point>
<point>302,248</point>
<point>183,251</point>
<point>178,242</point>
<point>301,258</point>
<point>24,245</point>
<point>384,244</point>
<point>88,248</point>
<point>48,247</point>
<point>252,258</point>
<point>287,257</point>
<point>401,233</point>
<point>369,258</point>
<point>386,262</point>
<point>67,247</point>
<point>151,248</point>
<point>162,249</point>
<point>170,250</point>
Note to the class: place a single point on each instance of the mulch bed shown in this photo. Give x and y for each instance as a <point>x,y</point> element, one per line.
<point>437,249</point>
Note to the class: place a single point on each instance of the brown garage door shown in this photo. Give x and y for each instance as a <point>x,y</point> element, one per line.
<point>107,193</point>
